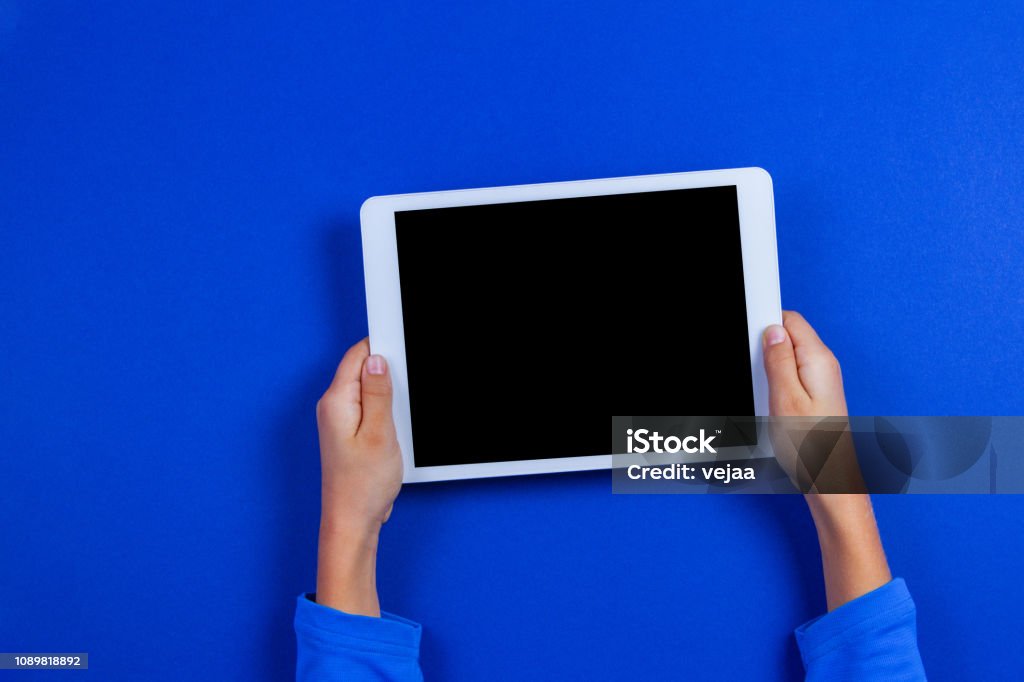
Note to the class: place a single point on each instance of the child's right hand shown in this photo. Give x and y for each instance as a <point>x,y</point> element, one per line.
<point>804,379</point>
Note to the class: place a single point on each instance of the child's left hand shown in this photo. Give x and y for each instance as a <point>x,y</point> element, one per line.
<point>360,459</point>
<point>361,469</point>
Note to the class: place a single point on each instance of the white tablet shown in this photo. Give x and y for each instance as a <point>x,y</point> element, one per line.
<point>518,320</point>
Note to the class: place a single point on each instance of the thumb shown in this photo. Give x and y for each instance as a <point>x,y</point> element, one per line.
<point>376,396</point>
<point>784,387</point>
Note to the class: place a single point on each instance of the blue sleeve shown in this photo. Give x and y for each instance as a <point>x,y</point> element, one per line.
<point>873,637</point>
<point>334,645</point>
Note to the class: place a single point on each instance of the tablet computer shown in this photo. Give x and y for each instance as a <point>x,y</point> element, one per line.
<point>517,321</point>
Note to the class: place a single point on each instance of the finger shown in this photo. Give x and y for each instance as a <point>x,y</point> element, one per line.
<point>784,388</point>
<point>351,365</point>
<point>801,330</point>
<point>376,399</point>
<point>341,405</point>
<point>816,365</point>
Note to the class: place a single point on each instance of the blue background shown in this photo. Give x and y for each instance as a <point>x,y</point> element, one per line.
<point>180,271</point>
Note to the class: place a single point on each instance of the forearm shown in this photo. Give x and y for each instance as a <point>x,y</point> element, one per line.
<point>342,634</point>
<point>852,557</point>
<point>346,577</point>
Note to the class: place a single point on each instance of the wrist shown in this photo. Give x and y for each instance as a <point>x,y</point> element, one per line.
<point>846,528</point>
<point>840,513</point>
<point>342,512</point>
<point>357,533</point>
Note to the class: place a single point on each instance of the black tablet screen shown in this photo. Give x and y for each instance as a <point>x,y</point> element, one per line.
<point>529,324</point>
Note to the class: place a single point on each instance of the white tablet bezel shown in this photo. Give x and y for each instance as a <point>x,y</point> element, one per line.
<point>384,295</point>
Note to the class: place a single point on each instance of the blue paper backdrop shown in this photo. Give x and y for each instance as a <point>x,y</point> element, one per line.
<point>180,270</point>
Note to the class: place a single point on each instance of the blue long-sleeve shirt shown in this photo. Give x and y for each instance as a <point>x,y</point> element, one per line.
<point>873,637</point>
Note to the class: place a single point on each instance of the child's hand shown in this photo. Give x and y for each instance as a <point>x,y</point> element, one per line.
<point>361,468</point>
<point>804,379</point>
<point>805,383</point>
<point>360,461</point>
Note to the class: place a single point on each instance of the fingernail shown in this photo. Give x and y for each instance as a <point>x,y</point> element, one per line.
<point>375,364</point>
<point>774,334</point>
